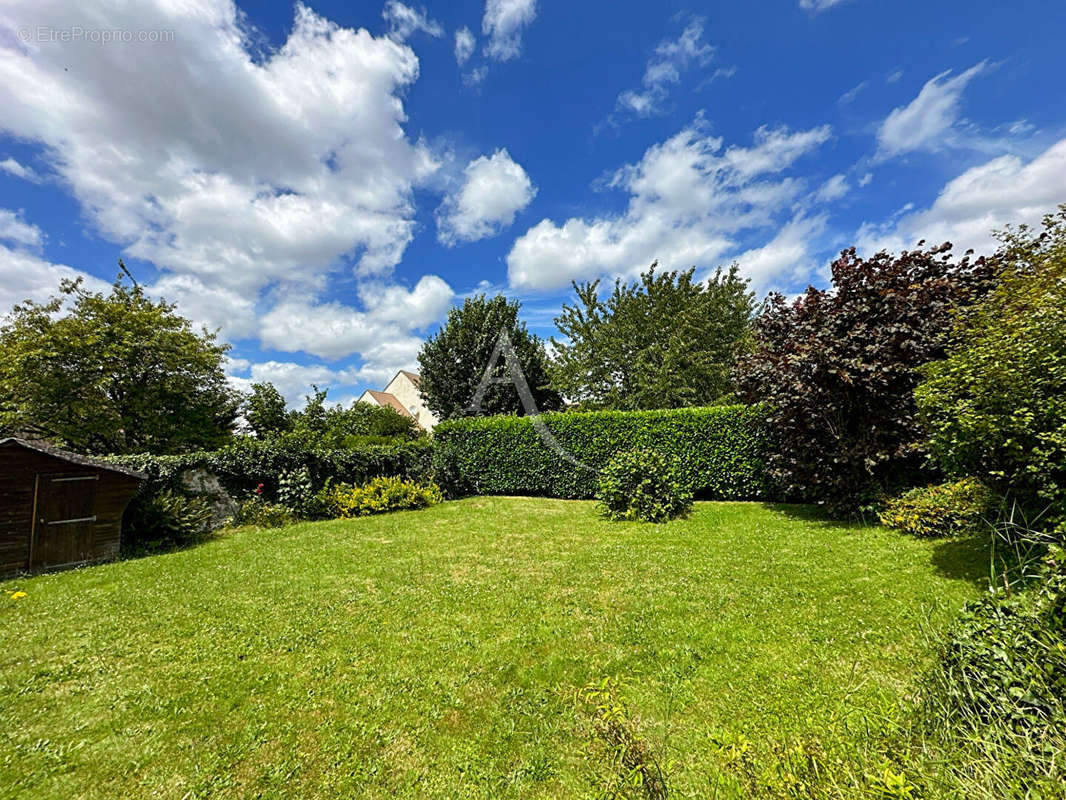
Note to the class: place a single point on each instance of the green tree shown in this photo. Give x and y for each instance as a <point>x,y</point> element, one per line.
<point>996,407</point>
<point>113,373</point>
<point>264,410</point>
<point>453,361</point>
<point>665,341</point>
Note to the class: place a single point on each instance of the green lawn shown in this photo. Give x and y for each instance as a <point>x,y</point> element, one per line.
<point>436,653</point>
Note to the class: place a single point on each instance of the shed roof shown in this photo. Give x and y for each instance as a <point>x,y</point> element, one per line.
<point>73,458</point>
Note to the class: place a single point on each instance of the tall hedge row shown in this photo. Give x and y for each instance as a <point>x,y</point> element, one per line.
<point>242,466</point>
<point>722,450</point>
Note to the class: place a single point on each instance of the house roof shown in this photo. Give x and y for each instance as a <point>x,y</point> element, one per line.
<point>73,458</point>
<point>413,377</point>
<point>388,399</point>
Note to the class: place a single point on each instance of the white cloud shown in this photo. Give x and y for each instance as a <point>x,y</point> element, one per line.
<point>464,45</point>
<point>242,178</point>
<point>494,189</point>
<point>1005,190</point>
<point>25,276</point>
<point>404,20</point>
<point>12,167</point>
<point>927,121</point>
<point>787,255</point>
<point>15,230</point>
<point>687,200</point>
<point>503,23</point>
<point>664,69</point>
<point>382,334</point>
<point>894,76</point>
<point>849,96</point>
<point>833,189</point>
<point>294,381</point>
<point>816,6</point>
<point>866,179</point>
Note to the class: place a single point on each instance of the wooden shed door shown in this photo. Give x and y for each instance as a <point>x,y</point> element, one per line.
<point>63,528</point>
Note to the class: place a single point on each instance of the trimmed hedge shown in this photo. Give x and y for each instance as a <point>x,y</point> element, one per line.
<point>245,464</point>
<point>722,451</point>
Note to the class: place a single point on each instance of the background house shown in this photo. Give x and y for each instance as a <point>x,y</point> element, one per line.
<point>403,393</point>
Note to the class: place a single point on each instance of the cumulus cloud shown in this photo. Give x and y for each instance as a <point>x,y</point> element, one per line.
<point>26,276</point>
<point>664,69</point>
<point>688,199</point>
<point>503,23</point>
<point>14,229</point>
<point>294,380</point>
<point>464,45</point>
<point>988,197</point>
<point>928,121</point>
<point>381,334</point>
<point>404,20</point>
<point>243,178</point>
<point>12,167</point>
<point>788,255</point>
<point>494,189</point>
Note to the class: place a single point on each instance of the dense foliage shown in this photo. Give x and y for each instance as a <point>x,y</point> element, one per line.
<point>667,341</point>
<point>164,520</point>
<point>453,361</point>
<point>996,407</point>
<point>837,370</point>
<point>721,450</point>
<point>947,509</point>
<point>643,485</point>
<point>249,464</point>
<point>112,373</point>
<point>381,495</point>
<point>1004,662</point>
<point>265,411</point>
<point>359,424</point>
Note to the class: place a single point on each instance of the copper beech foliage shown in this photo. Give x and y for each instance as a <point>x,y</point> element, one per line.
<point>837,370</point>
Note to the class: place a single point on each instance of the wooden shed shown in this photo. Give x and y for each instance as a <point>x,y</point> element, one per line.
<point>58,509</point>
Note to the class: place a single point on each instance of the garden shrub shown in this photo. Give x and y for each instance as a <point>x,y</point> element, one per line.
<point>286,469</point>
<point>721,451</point>
<point>381,495</point>
<point>1003,664</point>
<point>260,513</point>
<point>947,509</point>
<point>643,485</point>
<point>996,407</point>
<point>164,520</point>
<point>836,370</point>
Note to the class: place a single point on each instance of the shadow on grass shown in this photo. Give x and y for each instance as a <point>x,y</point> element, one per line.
<point>965,559</point>
<point>816,515</point>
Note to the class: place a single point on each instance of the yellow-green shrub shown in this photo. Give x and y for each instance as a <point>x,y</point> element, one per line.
<point>381,495</point>
<point>944,510</point>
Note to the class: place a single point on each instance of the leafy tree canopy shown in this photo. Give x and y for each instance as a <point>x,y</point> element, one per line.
<point>666,341</point>
<point>837,370</point>
<point>452,362</point>
<point>337,427</point>
<point>996,407</point>
<point>265,411</point>
<point>113,373</point>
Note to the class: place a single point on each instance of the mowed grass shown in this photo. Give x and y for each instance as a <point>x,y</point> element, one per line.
<point>436,653</point>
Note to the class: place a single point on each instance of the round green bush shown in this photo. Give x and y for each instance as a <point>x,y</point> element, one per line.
<point>643,485</point>
<point>947,509</point>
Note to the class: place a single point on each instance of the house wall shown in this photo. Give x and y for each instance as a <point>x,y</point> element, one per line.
<point>404,390</point>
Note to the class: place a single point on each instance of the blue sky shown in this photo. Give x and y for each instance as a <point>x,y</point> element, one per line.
<point>322,181</point>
